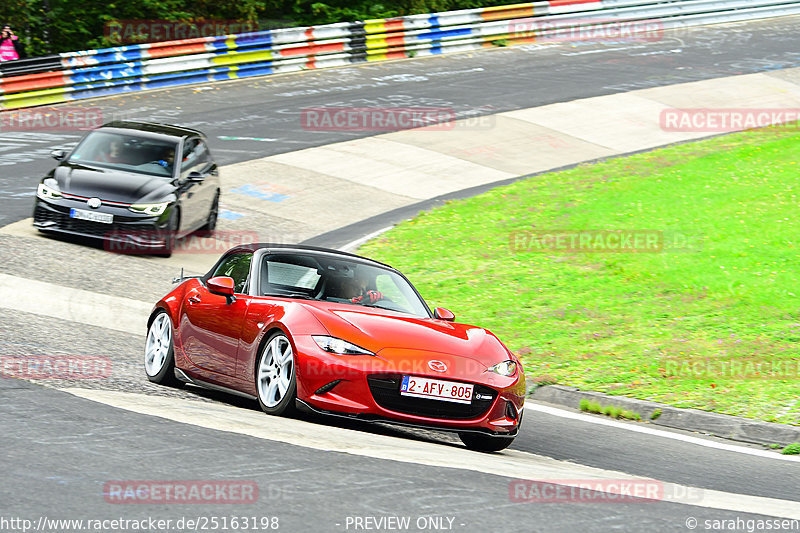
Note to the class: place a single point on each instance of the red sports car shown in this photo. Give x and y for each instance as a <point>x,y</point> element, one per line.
<point>297,327</point>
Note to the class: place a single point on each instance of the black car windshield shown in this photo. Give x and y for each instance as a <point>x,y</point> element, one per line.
<point>126,152</point>
<point>337,279</point>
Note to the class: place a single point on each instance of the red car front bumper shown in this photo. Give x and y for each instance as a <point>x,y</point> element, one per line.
<point>368,387</point>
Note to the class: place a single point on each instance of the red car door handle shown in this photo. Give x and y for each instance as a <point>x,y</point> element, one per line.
<point>194,299</point>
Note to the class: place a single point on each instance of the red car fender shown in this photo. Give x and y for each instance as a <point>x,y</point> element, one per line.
<point>265,317</point>
<point>172,304</point>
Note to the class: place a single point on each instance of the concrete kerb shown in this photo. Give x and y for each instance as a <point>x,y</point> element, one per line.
<point>357,231</point>
<point>725,426</point>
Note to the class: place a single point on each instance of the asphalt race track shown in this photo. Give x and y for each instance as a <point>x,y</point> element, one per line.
<point>64,442</point>
<point>254,118</point>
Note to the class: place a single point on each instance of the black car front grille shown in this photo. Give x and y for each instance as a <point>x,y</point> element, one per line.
<point>386,392</point>
<point>63,222</point>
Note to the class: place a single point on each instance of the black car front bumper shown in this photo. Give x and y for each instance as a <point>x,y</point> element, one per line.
<point>126,233</point>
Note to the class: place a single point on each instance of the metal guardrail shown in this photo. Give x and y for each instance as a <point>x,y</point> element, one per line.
<point>91,73</point>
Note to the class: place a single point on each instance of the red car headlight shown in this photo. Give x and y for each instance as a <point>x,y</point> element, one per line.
<point>339,346</point>
<point>506,368</point>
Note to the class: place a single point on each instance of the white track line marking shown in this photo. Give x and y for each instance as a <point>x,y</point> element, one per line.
<point>350,246</point>
<point>532,406</point>
<point>511,464</point>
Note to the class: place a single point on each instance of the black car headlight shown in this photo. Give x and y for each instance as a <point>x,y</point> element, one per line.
<point>506,368</point>
<point>339,346</point>
<point>48,190</point>
<point>149,209</point>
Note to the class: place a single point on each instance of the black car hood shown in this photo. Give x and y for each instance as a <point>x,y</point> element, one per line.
<point>111,185</point>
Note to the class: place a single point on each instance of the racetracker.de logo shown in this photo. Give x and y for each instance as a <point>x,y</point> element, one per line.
<point>202,242</point>
<point>377,118</point>
<point>179,492</point>
<point>591,30</point>
<point>51,119</point>
<point>740,368</point>
<point>586,491</point>
<point>727,119</point>
<point>142,30</point>
<point>55,366</point>
<point>587,241</point>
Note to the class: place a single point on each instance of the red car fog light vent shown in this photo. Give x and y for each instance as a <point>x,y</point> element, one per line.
<point>511,411</point>
<point>328,387</point>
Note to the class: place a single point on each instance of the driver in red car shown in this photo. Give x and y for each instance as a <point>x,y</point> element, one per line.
<point>358,287</point>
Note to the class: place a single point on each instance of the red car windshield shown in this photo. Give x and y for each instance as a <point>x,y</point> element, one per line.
<point>339,280</point>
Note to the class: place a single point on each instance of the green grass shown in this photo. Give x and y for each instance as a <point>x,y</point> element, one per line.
<point>792,449</point>
<point>591,406</point>
<point>724,291</point>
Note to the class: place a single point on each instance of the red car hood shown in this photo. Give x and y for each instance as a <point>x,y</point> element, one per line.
<point>386,332</point>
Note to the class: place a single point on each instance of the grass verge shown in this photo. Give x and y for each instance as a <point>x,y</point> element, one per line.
<point>710,321</point>
<point>792,449</point>
<point>609,410</point>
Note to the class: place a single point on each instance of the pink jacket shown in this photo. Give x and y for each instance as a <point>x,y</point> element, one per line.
<point>7,50</point>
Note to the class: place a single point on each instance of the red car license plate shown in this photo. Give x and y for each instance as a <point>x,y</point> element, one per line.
<point>436,389</point>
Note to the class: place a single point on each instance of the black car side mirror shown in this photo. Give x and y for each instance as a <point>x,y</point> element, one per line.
<point>195,176</point>
<point>58,155</point>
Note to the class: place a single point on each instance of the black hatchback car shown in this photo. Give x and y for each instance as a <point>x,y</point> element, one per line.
<point>123,183</point>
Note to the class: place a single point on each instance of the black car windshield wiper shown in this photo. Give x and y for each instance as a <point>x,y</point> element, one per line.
<point>83,165</point>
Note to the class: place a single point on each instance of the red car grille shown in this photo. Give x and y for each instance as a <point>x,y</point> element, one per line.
<point>386,392</point>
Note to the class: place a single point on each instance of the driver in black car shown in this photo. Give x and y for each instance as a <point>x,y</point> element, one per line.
<point>113,152</point>
<point>167,159</point>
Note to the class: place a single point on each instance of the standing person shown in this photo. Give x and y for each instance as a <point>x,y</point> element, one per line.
<point>10,47</point>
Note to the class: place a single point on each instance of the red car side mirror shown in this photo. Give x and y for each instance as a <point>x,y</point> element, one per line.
<point>444,314</point>
<point>223,286</point>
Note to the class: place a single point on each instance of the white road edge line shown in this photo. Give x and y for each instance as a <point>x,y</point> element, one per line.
<point>361,240</point>
<point>634,427</point>
<point>511,464</point>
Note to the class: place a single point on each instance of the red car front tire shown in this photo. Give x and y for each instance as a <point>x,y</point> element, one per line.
<point>275,376</point>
